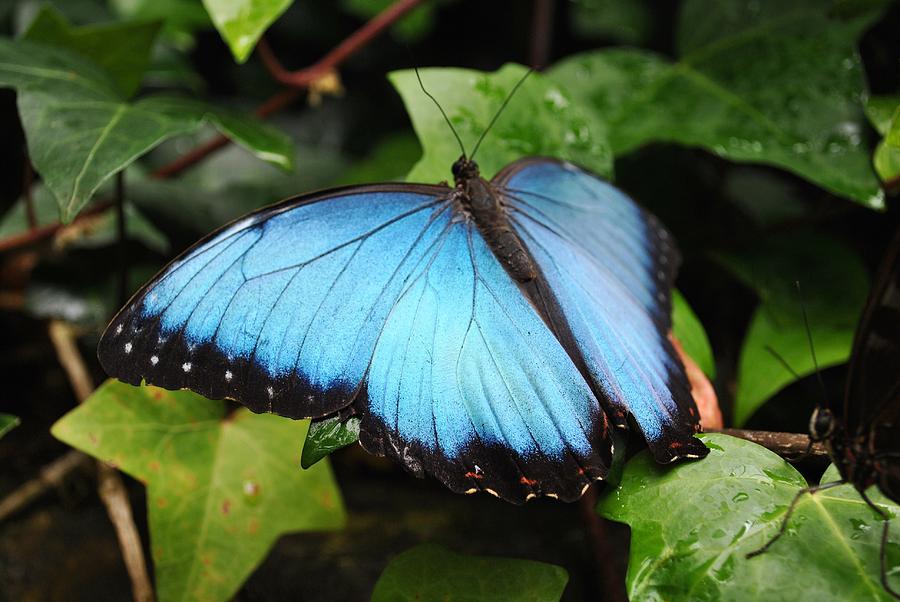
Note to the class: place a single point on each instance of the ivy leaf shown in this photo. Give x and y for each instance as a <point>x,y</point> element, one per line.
<point>884,113</point>
<point>693,524</point>
<point>81,132</point>
<point>764,82</point>
<point>432,572</point>
<point>690,333</point>
<point>540,119</point>
<point>242,22</point>
<point>221,488</point>
<point>834,284</point>
<point>7,423</point>
<point>325,437</point>
<point>132,41</point>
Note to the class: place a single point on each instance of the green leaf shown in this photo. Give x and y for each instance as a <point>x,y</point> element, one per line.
<point>834,284</point>
<point>7,423</point>
<point>540,119</point>
<point>690,333</point>
<point>693,524</point>
<point>412,27</point>
<point>221,488</point>
<point>770,82</point>
<point>431,572</point>
<point>389,161</point>
<point>121,49</point>
<point>884,113</point>
<point>242,22</point>
<point>80,132</point>
<point>625,21</point>
<point>325,437</point>
<point>180,18</point>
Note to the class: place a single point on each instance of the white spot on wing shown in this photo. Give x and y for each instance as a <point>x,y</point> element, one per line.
<point>228,375</point>
<point>270,391</point>
<point>128,347</point>
<point>119,329</point>
<point>186,366</point>
<point>154,360</point>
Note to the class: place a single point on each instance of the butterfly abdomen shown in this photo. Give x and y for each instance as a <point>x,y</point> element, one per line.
<point>483,204</point>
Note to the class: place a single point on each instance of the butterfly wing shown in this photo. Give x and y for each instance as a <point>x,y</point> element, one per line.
<point>873,380</point>
<point>280,309</point>
<point>607,268</point>
<point>387,298</point>
<point>467,383</point>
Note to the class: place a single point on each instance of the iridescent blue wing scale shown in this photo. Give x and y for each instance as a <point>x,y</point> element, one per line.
<point>385,297</point>
<point>606,268</point>
<point>465,370</point>
<point>280,309</point>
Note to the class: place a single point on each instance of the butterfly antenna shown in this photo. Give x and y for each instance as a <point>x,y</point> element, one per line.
<point>441,109</point>
<point>809,339</point>
<point>782,361</point>
<point>500,110</point>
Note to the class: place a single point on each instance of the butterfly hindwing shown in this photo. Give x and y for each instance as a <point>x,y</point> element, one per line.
<point>469,384</point>
<point>280,309</point>
<point>607,268</point>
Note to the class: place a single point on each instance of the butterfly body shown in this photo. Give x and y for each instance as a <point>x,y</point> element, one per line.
<point>485,334</point>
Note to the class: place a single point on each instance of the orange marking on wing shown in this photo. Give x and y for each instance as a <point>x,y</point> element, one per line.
<point>473,475</point>
<point>527,481</point>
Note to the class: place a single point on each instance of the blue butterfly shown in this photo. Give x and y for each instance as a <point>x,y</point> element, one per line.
<point>488,334</point>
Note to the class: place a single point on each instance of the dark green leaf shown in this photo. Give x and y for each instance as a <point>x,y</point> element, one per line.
<point>626,21</point>
<point>834,282</point>
<point>766,82</point>
<point>690,333</point>
<point>221,488</point>
<point>693,524</point>
<point>326,437</point>
<point>431,572</point>
<point>242,22</point>
<point>7,422</point>
<point>180,17</point>
<point>121,49</point>
<point>80,132</point>
<point>389,161</point>
<point>412,27</point>
<point>541,119</point>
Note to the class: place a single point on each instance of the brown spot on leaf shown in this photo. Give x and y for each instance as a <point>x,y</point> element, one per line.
<point>93,438</point>
<point>206,560</point>
<point>162,502</point>
<point>326,499</point>
<point>154,466</point>
<point>253,526</point>
<point>157,394</point>
<point>226,507</point>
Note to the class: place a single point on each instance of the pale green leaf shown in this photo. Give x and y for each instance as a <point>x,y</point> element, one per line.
<point>242,22</point>
<point>7,422</point>
<point>221,488</point>
<point>540,119</point>
<point>689,331</point>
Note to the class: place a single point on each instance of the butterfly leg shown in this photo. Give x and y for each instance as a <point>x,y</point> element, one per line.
<point>787,515</point>
<point>882,555</point>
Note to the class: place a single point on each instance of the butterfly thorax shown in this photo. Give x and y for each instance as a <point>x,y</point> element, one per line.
<point>482,202</point>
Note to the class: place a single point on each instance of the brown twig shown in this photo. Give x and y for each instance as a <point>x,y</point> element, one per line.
<point>111,488</point>
<point>790,446</point>
<point>608,581</point>
<point>52,475</point>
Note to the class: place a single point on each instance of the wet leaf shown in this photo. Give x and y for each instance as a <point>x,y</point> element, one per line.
<point>80,132</point>
<point>884,113</point>
<point>242,22</point>
<point>693,524</point>
<point>327,436</point>
<point>834,284</point>
<point>7,423</point>
<point>624,21</point>
<point>690,333</point>
<point>541,119</point>
<point>132,42</point>
<point>770,82</point>
<point>221,488</point>
<point>431,572</point>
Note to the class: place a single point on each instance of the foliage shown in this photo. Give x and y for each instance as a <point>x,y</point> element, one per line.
<point>221,486</point>
<point>7,423</point>
<point>693,525</point>
<point>884,113</point>
<point>775,82</point>
<point>430,572</point>
<point>688,329</point>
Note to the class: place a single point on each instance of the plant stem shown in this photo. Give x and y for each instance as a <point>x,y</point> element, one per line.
<point>790,446</point>
<point>541,33</point>
<point>608,582</point>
